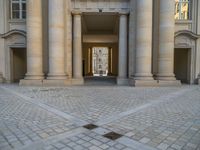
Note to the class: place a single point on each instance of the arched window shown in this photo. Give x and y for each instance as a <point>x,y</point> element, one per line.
<point>182,9</point>
<point>18,9</point>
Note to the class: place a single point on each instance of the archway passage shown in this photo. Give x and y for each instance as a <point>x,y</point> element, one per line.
<point>100,47</point>
<point>182,64</point>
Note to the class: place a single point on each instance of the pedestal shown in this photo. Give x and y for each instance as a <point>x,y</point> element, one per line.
<point>141,83</point>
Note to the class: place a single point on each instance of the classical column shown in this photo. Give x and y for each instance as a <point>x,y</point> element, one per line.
<point>68,39</point>
<point>165,74</point>
<point>122,65</point>
<point>77,49</point>
<point>56,42</point>
<point>143,75</point>
<point>34,73</point>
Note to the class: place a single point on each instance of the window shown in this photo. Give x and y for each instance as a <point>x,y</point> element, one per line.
<point>18,9</point>
<point>182,9</point>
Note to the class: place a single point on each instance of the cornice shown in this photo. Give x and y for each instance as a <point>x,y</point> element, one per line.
<point>12,32</point>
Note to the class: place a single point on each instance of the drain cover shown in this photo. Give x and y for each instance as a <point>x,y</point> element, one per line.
<point>90,126</point>
<point>112,135</point>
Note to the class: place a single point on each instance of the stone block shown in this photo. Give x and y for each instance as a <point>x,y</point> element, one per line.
<point>143,83</point>
<point>77,81</point>
<point>169,82</point>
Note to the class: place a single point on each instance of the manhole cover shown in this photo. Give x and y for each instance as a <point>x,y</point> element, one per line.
<point>112,135</point>
<point>90,126</point>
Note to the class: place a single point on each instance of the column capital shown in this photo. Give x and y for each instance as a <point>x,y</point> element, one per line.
<point>76,12</point>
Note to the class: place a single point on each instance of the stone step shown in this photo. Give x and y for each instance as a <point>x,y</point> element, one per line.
<point>100,80</point>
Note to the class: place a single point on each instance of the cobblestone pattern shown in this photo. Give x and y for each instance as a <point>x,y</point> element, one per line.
<point>22,123</point>
<point>171,125</point>
<point>95,103</point>
<point>84,141</point>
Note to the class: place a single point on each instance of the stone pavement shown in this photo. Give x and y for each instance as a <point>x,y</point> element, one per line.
<point>52,118</point>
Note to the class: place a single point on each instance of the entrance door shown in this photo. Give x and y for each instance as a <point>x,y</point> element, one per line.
<point>18,64</point>
<point>182,64</point>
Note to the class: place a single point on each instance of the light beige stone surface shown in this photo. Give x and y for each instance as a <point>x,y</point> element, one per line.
<point>58,33</point>
<point>34,40</point>
<point>144,43</point>
<point>122,65</point>
<point>166,43</point>
<point>56,40</point>
<point>77,46</point>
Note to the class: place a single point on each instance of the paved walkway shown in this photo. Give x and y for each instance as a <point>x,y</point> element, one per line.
<point>52,118</point>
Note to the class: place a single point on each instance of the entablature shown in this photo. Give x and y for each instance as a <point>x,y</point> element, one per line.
<point>101,6</point>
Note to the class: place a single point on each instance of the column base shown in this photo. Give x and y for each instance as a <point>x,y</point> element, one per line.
<point>166,77</point>
<point>77,81</point>
<point>26,82</point>
<point>143,83</point>
<point>34,77</point>
<point>122,81</point>
<point>54,82</point>
<point>56,77</point>
<point>169,82</point>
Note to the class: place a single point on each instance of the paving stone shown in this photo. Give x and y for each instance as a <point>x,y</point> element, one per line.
<point>163,146</point>
<point>157,118</point>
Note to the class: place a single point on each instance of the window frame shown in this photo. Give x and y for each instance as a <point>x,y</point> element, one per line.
<point>178,10</point>
<point>21,11</point>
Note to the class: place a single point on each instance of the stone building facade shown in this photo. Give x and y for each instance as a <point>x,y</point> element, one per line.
<point>49,42</point>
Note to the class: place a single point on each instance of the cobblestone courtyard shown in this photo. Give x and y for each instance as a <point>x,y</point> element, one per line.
<point>52,118</point>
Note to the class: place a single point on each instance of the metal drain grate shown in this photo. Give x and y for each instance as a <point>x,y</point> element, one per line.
<point>112,135</point>
<point>90,126</point>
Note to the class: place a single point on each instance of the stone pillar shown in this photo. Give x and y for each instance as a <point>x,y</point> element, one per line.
<point>143,75</point>
<point>165,74</point>
<point>77,49</point>
<point>56,75</point>
<point>34,75</point>
<point>122,65</point>
<point>68,39</point>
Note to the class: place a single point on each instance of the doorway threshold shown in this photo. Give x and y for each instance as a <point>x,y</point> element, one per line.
<point>100,80</point>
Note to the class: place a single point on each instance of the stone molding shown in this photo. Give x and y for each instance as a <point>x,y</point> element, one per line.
<point>187,33</point>
<point>13,32</point>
